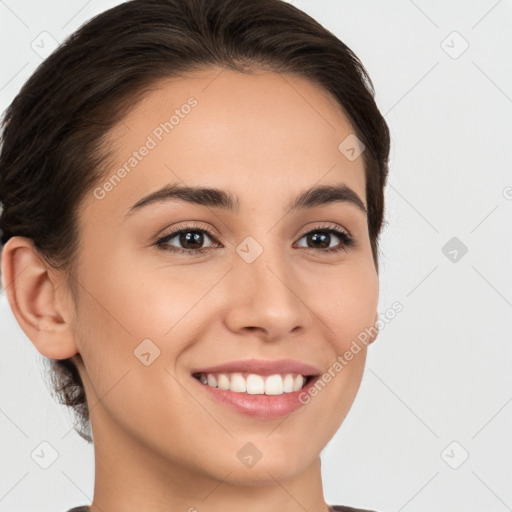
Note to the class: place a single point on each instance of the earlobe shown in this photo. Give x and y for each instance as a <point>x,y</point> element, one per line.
<point>31,290</point>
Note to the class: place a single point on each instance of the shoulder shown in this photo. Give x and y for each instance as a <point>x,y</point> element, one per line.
<point>334,508</point>
<point>342,508</point>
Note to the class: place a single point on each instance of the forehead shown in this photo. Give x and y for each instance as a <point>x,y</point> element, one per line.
<point>237,131</point>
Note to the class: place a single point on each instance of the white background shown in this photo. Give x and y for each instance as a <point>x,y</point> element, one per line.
<point>441,370</point>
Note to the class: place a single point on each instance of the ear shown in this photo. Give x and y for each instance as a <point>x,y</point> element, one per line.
<point>37,295</point>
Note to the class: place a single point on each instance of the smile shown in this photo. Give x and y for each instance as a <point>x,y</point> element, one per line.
<point>258,388</point>
<point>254,384</point>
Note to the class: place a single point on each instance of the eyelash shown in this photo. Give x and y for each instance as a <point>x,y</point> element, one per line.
<point>346,240</point>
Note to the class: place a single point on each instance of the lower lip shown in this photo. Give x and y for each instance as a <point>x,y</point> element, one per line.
<point>265,407</point>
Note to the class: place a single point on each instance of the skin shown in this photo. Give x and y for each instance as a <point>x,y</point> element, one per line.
<point>161,443</point>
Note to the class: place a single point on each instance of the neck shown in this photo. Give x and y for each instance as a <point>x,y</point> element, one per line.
<point>131,477</point>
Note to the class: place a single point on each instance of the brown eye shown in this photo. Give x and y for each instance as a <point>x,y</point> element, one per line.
<point>321,239</point>
<point>187,240</point>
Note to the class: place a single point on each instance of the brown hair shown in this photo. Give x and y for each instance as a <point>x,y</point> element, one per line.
<point>53,134</point>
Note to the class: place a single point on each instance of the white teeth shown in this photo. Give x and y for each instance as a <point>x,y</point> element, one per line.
<point>223,381</point>
<point>238,384</point>
<point>274,385</point>
<point>298,383</point>
<point>254,384</point>
<point>288,383</point>
<point>212,381</point>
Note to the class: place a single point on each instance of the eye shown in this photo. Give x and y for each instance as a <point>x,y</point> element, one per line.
<point>191,238</point>
<point>322,237</point>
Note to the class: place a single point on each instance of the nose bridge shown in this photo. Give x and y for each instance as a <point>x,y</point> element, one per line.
<point>266,295</point>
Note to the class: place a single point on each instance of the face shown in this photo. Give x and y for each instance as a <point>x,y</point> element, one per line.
<point>173,287</point>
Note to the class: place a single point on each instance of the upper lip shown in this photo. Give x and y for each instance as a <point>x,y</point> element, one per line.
<point>262,367</point>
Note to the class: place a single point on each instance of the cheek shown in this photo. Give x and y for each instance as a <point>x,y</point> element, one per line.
<point>347,301</point>
<point>130,314</point>
<point>129,365</point>
<point>141,300</point>
<point>347,307</point>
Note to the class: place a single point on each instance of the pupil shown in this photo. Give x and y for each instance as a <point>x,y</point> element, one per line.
<point>322,238</point>
<point>191,237</point>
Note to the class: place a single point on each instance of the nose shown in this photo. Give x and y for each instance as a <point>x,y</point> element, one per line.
<point>266,299</point>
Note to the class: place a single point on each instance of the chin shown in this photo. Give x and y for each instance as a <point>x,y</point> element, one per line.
<point>273,464</point>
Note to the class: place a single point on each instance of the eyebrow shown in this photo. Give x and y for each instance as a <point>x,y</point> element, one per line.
<point>317,196</point>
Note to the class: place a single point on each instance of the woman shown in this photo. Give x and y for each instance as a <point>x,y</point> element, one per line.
<point>193,192</point>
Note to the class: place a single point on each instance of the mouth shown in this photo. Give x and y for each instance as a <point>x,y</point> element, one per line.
<point>258,388</point>
<point>255,384</point>
<point>262,397</point>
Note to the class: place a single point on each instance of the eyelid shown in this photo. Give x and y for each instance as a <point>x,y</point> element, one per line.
<point>190,226</point>
<point>324,225</point>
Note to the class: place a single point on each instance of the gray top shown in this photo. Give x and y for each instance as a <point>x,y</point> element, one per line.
<point>334,508</point>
